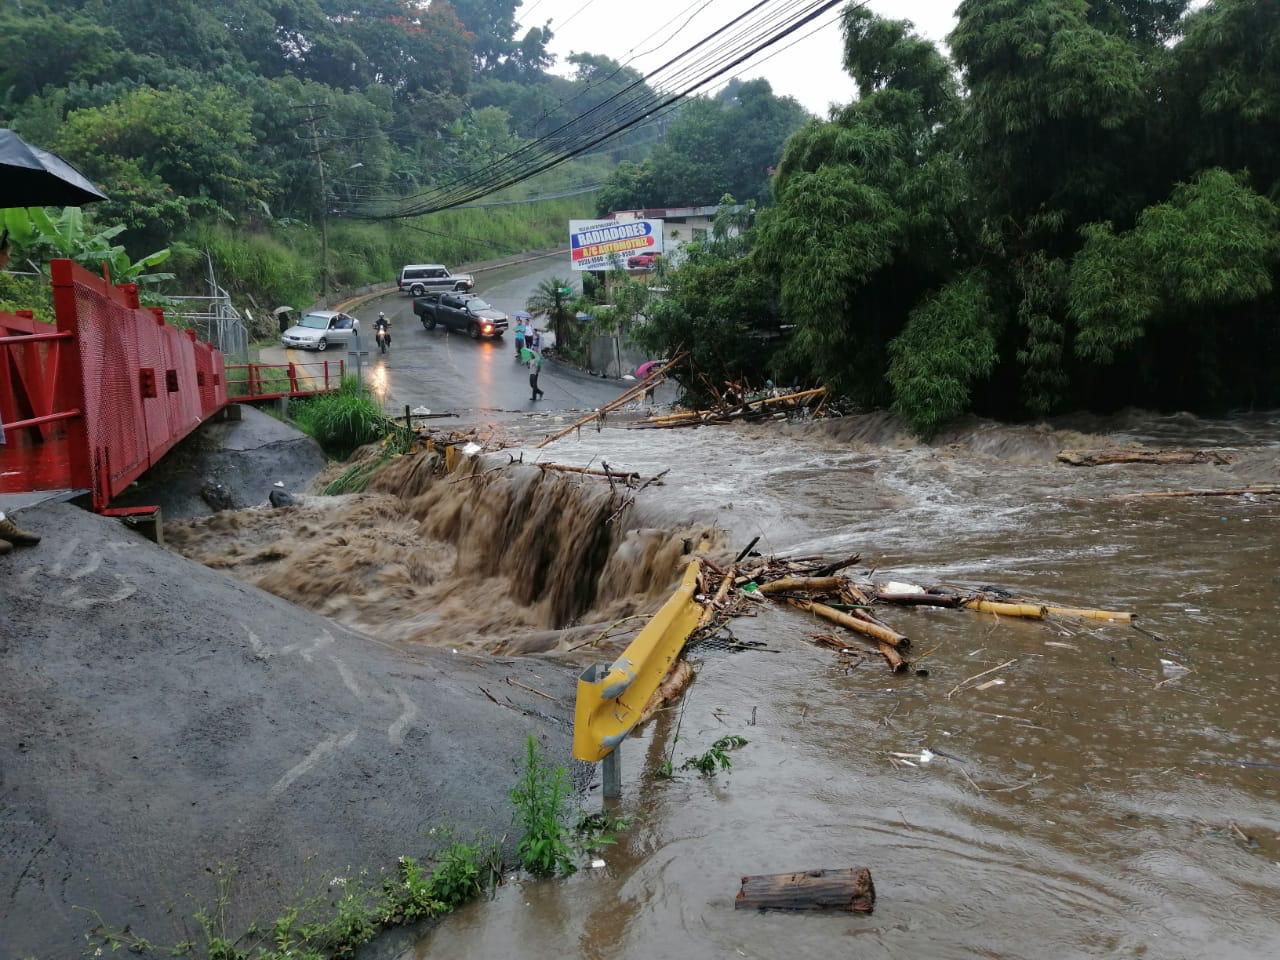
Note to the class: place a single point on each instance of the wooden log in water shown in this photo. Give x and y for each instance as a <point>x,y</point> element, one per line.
<point>1266,490</point>
<point>1100,458</point>
<point>851,891</point>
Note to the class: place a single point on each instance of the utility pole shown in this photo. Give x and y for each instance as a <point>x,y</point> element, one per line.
<point>324,211</point>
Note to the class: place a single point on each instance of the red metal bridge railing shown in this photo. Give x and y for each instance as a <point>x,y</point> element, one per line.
<point>273,381</point>
<point>94,402</point>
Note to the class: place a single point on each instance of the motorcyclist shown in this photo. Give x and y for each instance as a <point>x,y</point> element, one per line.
<point>382,326</point>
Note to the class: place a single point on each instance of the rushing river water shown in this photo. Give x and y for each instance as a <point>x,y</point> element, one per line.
<point>1113,793</point>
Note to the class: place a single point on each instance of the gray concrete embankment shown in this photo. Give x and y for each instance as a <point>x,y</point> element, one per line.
<point>245,457</point>
<point>161,720</point>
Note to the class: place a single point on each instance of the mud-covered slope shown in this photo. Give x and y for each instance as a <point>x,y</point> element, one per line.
<point>161,719</point>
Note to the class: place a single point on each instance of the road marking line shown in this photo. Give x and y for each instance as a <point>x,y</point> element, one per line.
<point>396,732</point>
<point>348,678</point>
<point>322,749</point>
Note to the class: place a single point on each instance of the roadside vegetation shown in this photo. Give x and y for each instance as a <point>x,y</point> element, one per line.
<point>342,421</point>
<point>236,128</point>
<point>1076,210</point>
<point>354,910</point>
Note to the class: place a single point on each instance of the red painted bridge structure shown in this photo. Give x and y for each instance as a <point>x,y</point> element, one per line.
<point>93,402</point>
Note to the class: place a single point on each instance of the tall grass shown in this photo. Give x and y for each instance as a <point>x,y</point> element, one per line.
<point>343,420</point>
<point>279,265</point>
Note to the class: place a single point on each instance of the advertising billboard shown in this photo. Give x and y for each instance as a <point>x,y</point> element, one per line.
<point>595,244</point>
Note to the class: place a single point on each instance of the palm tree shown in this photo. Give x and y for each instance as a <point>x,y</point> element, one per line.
<point>550,300</point>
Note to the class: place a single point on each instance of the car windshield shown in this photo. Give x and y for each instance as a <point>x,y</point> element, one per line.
<point>314,321</point>
<point>475,306</point>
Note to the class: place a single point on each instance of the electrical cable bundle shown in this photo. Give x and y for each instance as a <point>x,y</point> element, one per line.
<point>761,26</point>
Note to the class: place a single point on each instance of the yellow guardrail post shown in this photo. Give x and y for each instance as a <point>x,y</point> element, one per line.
<point>612,697</point>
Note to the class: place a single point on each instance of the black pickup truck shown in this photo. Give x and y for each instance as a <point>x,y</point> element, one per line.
<point>463,312</point>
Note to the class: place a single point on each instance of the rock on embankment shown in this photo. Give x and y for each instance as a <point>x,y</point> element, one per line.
<point>161,719</point>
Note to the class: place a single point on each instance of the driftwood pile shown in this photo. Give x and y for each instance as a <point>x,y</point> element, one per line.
<point>730,408</point>
<point>814,585</point>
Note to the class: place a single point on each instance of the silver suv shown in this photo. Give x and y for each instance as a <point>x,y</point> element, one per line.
<point>419,278</point>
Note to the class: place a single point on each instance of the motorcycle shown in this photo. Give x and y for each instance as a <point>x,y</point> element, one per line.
<point>383,336</point>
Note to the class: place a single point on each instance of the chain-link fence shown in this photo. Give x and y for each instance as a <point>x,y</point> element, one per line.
<point>214,318</point>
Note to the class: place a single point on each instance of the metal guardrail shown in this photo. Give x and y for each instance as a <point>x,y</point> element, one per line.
<point>612,698</point>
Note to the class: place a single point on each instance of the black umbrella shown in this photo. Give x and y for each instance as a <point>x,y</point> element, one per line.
<point>31,177</point>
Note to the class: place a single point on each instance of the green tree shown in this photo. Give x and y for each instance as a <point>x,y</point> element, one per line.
<point>728,144</point>
<point>550,299</point>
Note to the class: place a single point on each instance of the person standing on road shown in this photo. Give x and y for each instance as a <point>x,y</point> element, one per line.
<point>533,360</point>
<point>520,331</point>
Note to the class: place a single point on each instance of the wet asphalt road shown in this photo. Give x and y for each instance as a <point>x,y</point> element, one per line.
<point>446,371</point>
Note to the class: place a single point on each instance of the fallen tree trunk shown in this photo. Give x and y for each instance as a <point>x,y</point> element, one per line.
<point>849,890</point>
<point>1100,458</point>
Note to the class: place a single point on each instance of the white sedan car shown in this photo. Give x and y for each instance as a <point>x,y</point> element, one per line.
<point>319,330</point>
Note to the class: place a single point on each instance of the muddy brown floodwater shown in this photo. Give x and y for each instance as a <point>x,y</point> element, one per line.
<point>1113,794</point>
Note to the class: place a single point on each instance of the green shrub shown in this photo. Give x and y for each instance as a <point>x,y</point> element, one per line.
<point>343,420</point>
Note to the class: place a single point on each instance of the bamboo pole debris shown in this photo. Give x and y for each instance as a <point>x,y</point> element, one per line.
<point>1028,611</point>
<point>648,383</point>
<point>803,584</point>
<point>727,412</point>
<point>1101,458</point>
<point>809,584</point>
<point>887,642</point>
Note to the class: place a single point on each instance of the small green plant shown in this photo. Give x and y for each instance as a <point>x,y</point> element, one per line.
<point>595,831</point>
<point>539,799</point>
<point>458,876</point>
<point>666,770</point>
<point>410,896</point>
<point>715,758</point>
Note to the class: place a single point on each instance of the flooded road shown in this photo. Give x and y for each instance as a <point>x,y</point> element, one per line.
<point>1101,792</point>
<point>1112,794</point>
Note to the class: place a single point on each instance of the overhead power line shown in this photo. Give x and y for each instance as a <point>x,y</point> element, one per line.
<point>765,24</point>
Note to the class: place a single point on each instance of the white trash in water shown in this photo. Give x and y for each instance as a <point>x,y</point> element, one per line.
<point>597,863</point>
<point>1172,668</point>
<point>420,412</point>
<point>895,588</point>
<point>471,449</point>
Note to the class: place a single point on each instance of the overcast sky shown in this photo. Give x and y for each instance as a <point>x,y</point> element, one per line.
<point>809,70</point>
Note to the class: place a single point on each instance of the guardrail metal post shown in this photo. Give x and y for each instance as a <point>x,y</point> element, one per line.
<point>326,376</point>
<point>611,768</point>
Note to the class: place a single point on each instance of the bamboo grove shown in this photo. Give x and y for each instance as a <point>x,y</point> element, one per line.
<point>1075,208</point>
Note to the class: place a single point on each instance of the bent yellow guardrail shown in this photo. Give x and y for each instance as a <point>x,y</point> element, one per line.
<point>611,699</point>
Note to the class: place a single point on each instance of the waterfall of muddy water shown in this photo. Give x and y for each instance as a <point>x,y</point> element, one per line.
<point>515,560</point>
<point>1115,796</point>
